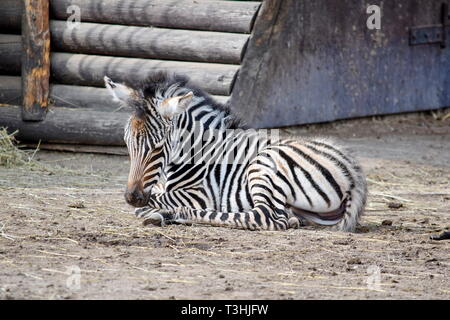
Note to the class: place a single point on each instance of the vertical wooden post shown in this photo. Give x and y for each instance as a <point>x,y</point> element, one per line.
<point>35,59</point>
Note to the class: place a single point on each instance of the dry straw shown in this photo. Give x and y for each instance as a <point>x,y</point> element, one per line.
<point>10,154</point>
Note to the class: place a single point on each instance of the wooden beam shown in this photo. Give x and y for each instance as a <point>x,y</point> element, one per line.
<point>226,16</point>
<point>64,125</point>
<point>35,59</point>
<point>151,43</point>
<point>97,99</point>
<point>89,70</point>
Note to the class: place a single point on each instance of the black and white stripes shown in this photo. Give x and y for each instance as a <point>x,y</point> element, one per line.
<point>191,162</point>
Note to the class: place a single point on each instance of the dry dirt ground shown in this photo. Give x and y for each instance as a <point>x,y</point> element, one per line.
<point>62,226</point>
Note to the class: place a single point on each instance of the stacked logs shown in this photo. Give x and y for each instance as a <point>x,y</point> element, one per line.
<point>124,39</point>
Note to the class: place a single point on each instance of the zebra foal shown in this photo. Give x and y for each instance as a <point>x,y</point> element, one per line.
<point>192,162</point>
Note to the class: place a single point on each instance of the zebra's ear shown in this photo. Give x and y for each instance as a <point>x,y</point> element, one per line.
<point>170,107</point>
<point>119,92</point>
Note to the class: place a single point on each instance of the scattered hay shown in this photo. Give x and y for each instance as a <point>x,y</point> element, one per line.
<point>3,234</point>
<point>10,154</point>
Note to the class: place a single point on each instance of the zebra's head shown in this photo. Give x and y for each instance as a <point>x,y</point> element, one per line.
<point>154,104</point>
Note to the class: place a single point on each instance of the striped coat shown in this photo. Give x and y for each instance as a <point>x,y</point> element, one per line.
<point>192,162</point>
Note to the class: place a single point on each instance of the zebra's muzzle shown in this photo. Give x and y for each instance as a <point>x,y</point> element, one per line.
<point>135,196</point>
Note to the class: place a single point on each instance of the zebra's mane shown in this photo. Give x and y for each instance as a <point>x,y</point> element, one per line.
<point>165,84</point>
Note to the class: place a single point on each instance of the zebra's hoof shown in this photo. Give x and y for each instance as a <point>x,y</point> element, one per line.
<point>294,223</point>
<point>442,236</point>
<point>155,219</point>
<point>142,212</point>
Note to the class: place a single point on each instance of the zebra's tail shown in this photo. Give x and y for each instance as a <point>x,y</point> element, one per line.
<point>356,201</point>
<point>346,217</point>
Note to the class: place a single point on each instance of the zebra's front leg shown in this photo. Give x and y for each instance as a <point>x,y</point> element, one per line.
<point>154,213</point>
<point>266,214</point>
<point>158,217</point>
<point>159,211</point>
<point>261,217</point>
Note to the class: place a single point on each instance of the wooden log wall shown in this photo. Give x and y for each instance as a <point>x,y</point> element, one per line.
<point>223,16</point>
<point>125,39</point>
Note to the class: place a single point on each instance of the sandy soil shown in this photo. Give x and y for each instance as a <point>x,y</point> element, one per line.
<point>62,226</point>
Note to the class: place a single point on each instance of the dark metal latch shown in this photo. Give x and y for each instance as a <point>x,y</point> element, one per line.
<point>432,34</point>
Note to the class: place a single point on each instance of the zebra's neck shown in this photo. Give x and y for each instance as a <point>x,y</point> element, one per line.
<point>202,116</point>
<point>203,125</point>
